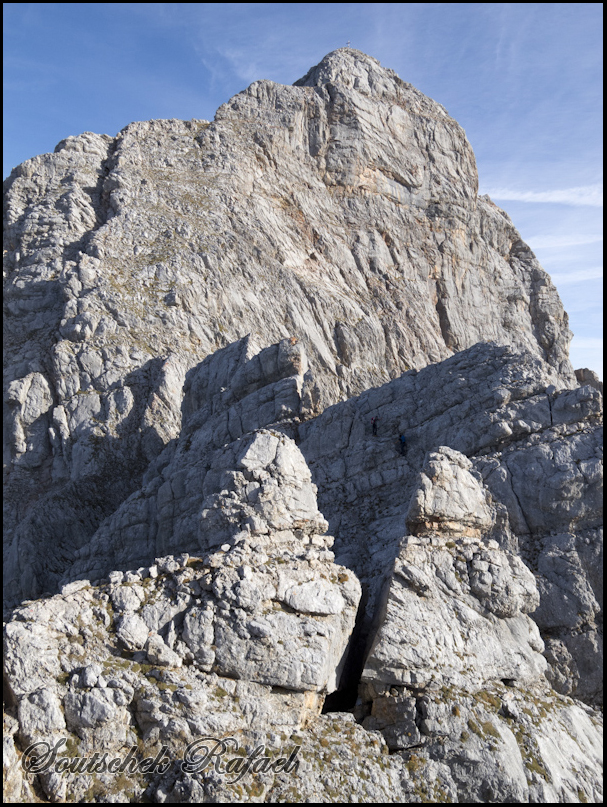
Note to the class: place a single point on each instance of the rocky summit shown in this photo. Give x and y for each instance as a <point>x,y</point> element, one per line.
<point>302,493</point>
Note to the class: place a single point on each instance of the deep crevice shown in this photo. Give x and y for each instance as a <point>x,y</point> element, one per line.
<point>344,698</point>
<point>550,408</point>
<point>443,319</point>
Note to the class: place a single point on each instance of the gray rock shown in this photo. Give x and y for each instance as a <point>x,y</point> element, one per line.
<point>89,709</point>
<point>31,670</point>
<point>199,634</point>
<point>132,632</point>
<point>131,259</point>
<point>453,611</point>
<point>541,479</point>
<point>90,675</point>
<point>169,431</point>
<point>17,789</point>
<point>448,497</point>
<point>396,717</point>
<point>158,652</point>
<point>127,599</point>
<point>586,376</point>
<point>41,716</point>
<point>75,586</point>
<point>315,597</point>
<point>438,734</point>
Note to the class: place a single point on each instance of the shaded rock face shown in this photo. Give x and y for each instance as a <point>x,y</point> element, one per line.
<point>586,376</point>
<point>217,482</point>
<point>220,477</point>
<point>454,622</point>
<point>250,634</point>
<point>208,326</point>
<point>130,660</point>
<point>539,453</point>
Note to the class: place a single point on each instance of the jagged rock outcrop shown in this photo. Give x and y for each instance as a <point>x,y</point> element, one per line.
<point>269,608</point>
<point>232,393</point>
<point>586,376</point>
<point>210,335</point>
<point>107,667</point>
<point>247,640</point>
<point>538,449</point>
<point>454,652</point>
<point>454,611</point>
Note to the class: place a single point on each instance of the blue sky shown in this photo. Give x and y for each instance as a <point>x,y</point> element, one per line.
<point>523,79</point>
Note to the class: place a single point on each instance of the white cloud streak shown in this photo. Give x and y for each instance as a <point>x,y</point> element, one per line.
<point>587,342</point>
<point>549,241</point>
<point>584,195</point>
<point>561,278</point>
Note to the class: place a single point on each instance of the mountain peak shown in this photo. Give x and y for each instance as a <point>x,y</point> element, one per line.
<point>350,68</point>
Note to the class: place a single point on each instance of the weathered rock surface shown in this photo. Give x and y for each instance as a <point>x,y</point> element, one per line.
<point>586,376</point>
<point>246,641</point>
<point>448,627</point>
<point>103,697</point>
<point>141,660</point>
<point>539,451</point>
<point>214,482</point>
<point>147,654</point>
<point>500,745</point>
<point>452,631</point>
<point>190,309</point>
<point>454,611</point>
<point>342,211</point>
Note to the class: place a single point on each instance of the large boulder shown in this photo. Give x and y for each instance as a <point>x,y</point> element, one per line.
<point>454,611</point>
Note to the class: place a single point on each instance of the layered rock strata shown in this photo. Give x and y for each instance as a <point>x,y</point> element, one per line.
<point>247,640</point>
<point>538,449</point>
<point>342,210</point>
<point>454,613</point>
<point>456,661</point>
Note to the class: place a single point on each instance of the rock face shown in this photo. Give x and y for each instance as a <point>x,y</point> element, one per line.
<point>476,596</point>
<point>343,211</point>
<point>211,330</point>
<point>210,484</point>
<point>539,452</point>
<point>451,581</point>
<point>586,376</point>
<point>538,449</point>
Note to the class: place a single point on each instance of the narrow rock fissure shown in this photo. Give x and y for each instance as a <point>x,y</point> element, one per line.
<point>550,407</point>
<point>443,320</point>
<point>518,501</point>
<point>344,698</point>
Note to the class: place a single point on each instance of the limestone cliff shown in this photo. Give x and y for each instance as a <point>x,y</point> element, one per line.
<point>216,335</point>
<point>343,211</point>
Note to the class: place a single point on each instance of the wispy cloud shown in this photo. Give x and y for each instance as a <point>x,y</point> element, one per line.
<point>560,278</point>
<point>550,241</point>
<point>263,41</point>
<point>591,195</point>
<point>587,342</point>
